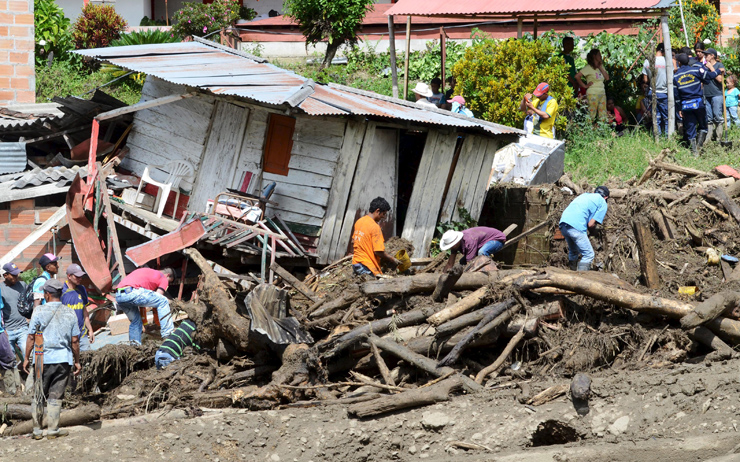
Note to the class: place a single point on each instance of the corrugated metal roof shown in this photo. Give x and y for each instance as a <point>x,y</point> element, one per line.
<point>507,7</point>
<point>224,71</point>
<point>12,157</point>
<point>62,176</point>
<point>30,114</point>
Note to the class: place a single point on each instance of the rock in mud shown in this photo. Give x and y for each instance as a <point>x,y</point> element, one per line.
<point>434,420</point>
<point>580,386</point>
<point>619,426</point>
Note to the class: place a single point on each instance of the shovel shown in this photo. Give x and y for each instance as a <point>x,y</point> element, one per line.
<point>725,143</point>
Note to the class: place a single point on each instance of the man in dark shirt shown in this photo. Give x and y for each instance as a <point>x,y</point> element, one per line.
<point>568,45</point>
<point>74,295</point>
<point>687,87</point>
<point>16,325</point>
<point>471,242</point>
<point>715,97</point>
<point>175,344</point>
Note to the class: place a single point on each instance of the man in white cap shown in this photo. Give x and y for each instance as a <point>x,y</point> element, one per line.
<point>58,325</point>
<point>422,92</point>
<point>74,295</point>
<point>472,242</point>
<point>50,264</point>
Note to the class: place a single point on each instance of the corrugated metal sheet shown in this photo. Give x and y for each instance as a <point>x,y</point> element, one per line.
<point>507,7</point>
<point>62,176</point>
<point>12,157</point>
<point>44,112</point>
<point>224,71</point>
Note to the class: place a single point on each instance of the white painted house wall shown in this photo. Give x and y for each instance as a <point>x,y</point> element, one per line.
<point>131,10</point>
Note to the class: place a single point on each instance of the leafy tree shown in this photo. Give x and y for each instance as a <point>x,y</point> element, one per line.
<point>703,22</point>
<point>494,76</point>
<point>200,19</point>
<point>97,26</point>
<point>51,31</point>
<point>335,21</point>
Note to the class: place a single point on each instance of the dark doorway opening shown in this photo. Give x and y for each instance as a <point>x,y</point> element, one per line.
<point>410,150</point>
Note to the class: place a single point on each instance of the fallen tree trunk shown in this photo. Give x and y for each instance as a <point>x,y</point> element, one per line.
<point>446,283</point>
<point>461,306</point>
<point>413,398</point>
<point>474,317</point>
<point>422,362</point>
<point>730,205</point>
<point>502,357</point>
<point>228,323</point>
<point>427,282</point>
<point>454,355</point>
<point>345,300</point>
<point>706,337</point>
<point>69,418</point>
<point>620,297</point>
<point>15,411</point>
<point>710,309</point>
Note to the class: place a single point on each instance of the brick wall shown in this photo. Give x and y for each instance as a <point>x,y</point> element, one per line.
<point>17,73</point>
<point>20,220</point>
<point>730,13</point>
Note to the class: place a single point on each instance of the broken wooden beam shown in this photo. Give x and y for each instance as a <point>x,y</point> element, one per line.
<point>293,281</point>
<point>730,205</point>
<point>446,283</point>
<point>648,264</point>
<point>424,396</point>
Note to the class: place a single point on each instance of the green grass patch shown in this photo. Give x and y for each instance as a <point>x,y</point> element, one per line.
<point>67,79</point>
<point>597,155</point>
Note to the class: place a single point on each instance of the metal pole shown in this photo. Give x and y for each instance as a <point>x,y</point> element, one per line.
<point>392,50</point>
<point>406,64</point>
<point>683,23</point>
<point>443,49</point>
<point>669,74</point>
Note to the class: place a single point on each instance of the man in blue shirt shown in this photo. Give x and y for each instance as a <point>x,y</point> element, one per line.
<point>74,295</point>
<point>58,325</point>
<point>581,215</point>
<point>687,87</point>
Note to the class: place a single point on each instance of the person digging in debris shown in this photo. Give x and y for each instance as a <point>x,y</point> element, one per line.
<point>580,216</point>
<point>368,243</point>
<point>74,295</point>
<point>174,345</point>
<point>61,351</point>
<point>687,86</point>
<point>50,264</point>
<point>472,242</point>
<point>145,287</point>
<point>16,325</point>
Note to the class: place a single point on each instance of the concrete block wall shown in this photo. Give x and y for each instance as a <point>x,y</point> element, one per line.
<point>730,13</point>
<point>19,220</point>
<point>17,73</point>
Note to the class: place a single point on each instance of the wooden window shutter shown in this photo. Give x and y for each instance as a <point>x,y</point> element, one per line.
<point>279,144</point>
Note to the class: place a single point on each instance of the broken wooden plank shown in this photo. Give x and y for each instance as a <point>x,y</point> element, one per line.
<point>526,233</point>
<point>293,281</point>
<point>648,265</point>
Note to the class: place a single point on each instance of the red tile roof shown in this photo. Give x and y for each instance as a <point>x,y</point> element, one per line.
<point>499,7</point>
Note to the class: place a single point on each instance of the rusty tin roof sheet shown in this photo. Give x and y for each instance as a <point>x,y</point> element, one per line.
<point>507,7</point>
<point>224,71</point>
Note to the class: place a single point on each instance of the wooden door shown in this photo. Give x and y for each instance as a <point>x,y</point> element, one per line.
<point>217,166</point>
<point>376,175</point>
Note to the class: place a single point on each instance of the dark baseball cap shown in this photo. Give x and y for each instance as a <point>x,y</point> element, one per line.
<point>76,270</point>
<point>11,268</point>
<point>47,258</point>
<point>711,51</point>
<point>53,287</point>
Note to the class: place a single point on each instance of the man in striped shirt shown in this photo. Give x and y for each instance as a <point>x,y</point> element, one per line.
<point>174,345</point>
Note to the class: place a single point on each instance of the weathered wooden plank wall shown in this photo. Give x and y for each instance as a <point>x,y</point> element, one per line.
<point>303,194</point>
<point>349,153</point>
<point>216,170</point>
<point>426,198</point>
<point>470,179</point>
<point>175,131</point>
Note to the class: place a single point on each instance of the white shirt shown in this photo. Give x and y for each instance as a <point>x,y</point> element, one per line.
<point>426,104</point>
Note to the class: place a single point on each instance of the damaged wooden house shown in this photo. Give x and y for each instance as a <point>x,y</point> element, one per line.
<point>314,154</point>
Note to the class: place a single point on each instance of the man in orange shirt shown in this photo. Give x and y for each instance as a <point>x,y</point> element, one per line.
<point>368,242</point>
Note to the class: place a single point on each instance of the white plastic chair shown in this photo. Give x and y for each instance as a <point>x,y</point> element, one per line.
<point>177,170</point>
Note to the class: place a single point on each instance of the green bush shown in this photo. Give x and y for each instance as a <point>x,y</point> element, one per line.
<point>66,78</point>
<point>494,76</point>
<point>146,22</point>
<point>97,27</point>
<point>52,33</point>
<point>200,19</point>
<point>145,37</point>
<point>247,13</point>
<point>702,22</point>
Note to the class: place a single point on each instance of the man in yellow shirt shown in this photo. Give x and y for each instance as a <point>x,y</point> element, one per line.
<point>368,242</point>
<point>545,110</point>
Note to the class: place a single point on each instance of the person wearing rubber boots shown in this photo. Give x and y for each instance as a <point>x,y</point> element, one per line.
<point>687,87</point>
<point>57,323</point>
<point>581,215</point>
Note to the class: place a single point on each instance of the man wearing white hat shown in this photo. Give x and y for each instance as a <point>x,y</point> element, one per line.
<point>472,242</point>
<point>422,92</point>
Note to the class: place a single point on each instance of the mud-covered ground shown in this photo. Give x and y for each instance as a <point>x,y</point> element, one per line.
<point>685,412</point>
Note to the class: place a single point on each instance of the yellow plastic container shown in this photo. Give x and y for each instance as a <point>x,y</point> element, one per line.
<point>687,290</point>
<point>405,260</point>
